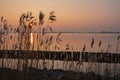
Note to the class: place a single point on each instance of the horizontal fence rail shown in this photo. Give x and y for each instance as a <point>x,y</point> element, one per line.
<point>62,55</point>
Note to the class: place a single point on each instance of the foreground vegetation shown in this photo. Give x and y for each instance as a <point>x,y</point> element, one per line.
<point>15,58</point>
<point>38,74</point>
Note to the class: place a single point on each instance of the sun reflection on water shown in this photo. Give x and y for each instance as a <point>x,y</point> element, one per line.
<point>31,38</point>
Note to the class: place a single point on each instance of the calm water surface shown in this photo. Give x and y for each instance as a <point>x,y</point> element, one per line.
<point>78,40</point>
<point>75,41</point>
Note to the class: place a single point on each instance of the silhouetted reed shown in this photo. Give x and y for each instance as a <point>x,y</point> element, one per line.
<point>92,44</point>
<point>118,44</point>
<point>27,38</point>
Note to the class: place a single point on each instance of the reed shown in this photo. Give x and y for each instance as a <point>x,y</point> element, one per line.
<point>47,42</point>
<point>118,45</point>
<point>90,63</point>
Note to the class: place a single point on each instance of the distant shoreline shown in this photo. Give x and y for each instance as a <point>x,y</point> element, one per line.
<point>75,32</point>
<point>90,32</point>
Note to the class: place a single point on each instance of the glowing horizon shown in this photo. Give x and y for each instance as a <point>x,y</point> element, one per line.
<point>72,15</point>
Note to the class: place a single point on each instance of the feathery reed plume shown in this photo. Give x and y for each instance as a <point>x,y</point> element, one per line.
<point>5,25</point>
<point>84,48</point>
<point>100,42</point>
<point>1,39</point>
<point>118,38</point>
<point>67,47</point>
<point>92,43</point>
<point>1,19</point>
<point>43,31</point>
<point>21,18</point>
<point>52,17</point>
<point>27,21</point>
<point>51,38</point>
<point>41,17</point>
<point>99,45</point>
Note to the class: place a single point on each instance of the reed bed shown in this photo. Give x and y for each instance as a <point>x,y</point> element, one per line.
<point>17,44</point>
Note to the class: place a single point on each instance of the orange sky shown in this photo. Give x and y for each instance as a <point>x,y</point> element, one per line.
<point>72,15</point>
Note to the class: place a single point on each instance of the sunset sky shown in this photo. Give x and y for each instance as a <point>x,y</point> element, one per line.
<point>72,15</point>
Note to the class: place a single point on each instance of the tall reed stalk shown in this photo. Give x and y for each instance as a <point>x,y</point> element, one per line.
<point>89,55</point>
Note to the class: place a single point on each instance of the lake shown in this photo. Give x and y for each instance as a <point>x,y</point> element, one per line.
<point>73,41</point>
